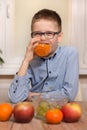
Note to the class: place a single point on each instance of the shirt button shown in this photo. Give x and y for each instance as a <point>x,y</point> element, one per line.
<point>16,81</point>
<point>49,72</point>
<point>13,91</point>
<point>46,83</point>
<point>50,58</point>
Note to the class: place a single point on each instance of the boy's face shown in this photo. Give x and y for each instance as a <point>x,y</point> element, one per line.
<point>48,26</point>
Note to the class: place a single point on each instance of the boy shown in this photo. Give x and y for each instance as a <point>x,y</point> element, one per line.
<point>55,75</point>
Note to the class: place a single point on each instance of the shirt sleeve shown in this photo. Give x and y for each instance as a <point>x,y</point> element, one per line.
<point>19,88</point>
<point>70,85</point>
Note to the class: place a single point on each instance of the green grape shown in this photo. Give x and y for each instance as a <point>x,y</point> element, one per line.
<point>43,104</point>
<point>57,106</point>
<point>42,108</point>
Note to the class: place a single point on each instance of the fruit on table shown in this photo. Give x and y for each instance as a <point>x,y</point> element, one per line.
<point>23,112</point>
<point>42,49</point>
<point>6,110</point>
<point>54,116</point>
<point>71,111</point>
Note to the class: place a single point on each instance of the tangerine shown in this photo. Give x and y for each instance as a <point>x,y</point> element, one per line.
<point>42,49</point>
<point>6,110</point>
<point>54,116</point>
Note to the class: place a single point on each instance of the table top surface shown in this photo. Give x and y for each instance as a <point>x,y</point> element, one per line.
<point>37,124</point>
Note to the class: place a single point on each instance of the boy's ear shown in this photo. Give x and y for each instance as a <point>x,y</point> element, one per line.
<point>60,36</point>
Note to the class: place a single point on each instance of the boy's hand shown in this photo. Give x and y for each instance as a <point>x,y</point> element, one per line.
<point>31,94</point>
<point>29,55</point>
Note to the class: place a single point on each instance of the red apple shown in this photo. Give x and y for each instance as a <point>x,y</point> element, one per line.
<point>71,112</point>
<point>23,112</point>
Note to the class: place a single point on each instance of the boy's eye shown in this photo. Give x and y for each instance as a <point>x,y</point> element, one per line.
<point>49,33</point>
<point>36,34</point>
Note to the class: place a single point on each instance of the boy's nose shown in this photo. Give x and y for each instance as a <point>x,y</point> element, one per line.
<point>42,37</point>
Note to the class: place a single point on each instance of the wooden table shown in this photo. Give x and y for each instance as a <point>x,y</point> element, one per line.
<point>36,124</point>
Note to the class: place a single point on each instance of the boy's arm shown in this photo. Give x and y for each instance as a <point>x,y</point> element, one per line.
<point>19,88</point>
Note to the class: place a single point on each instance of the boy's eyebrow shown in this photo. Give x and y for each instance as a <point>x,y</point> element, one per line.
<point>57,32</point>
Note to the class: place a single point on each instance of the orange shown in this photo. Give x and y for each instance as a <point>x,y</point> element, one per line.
<point>54,116</point>
<point>42,49</point>
<point>6,110</point>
